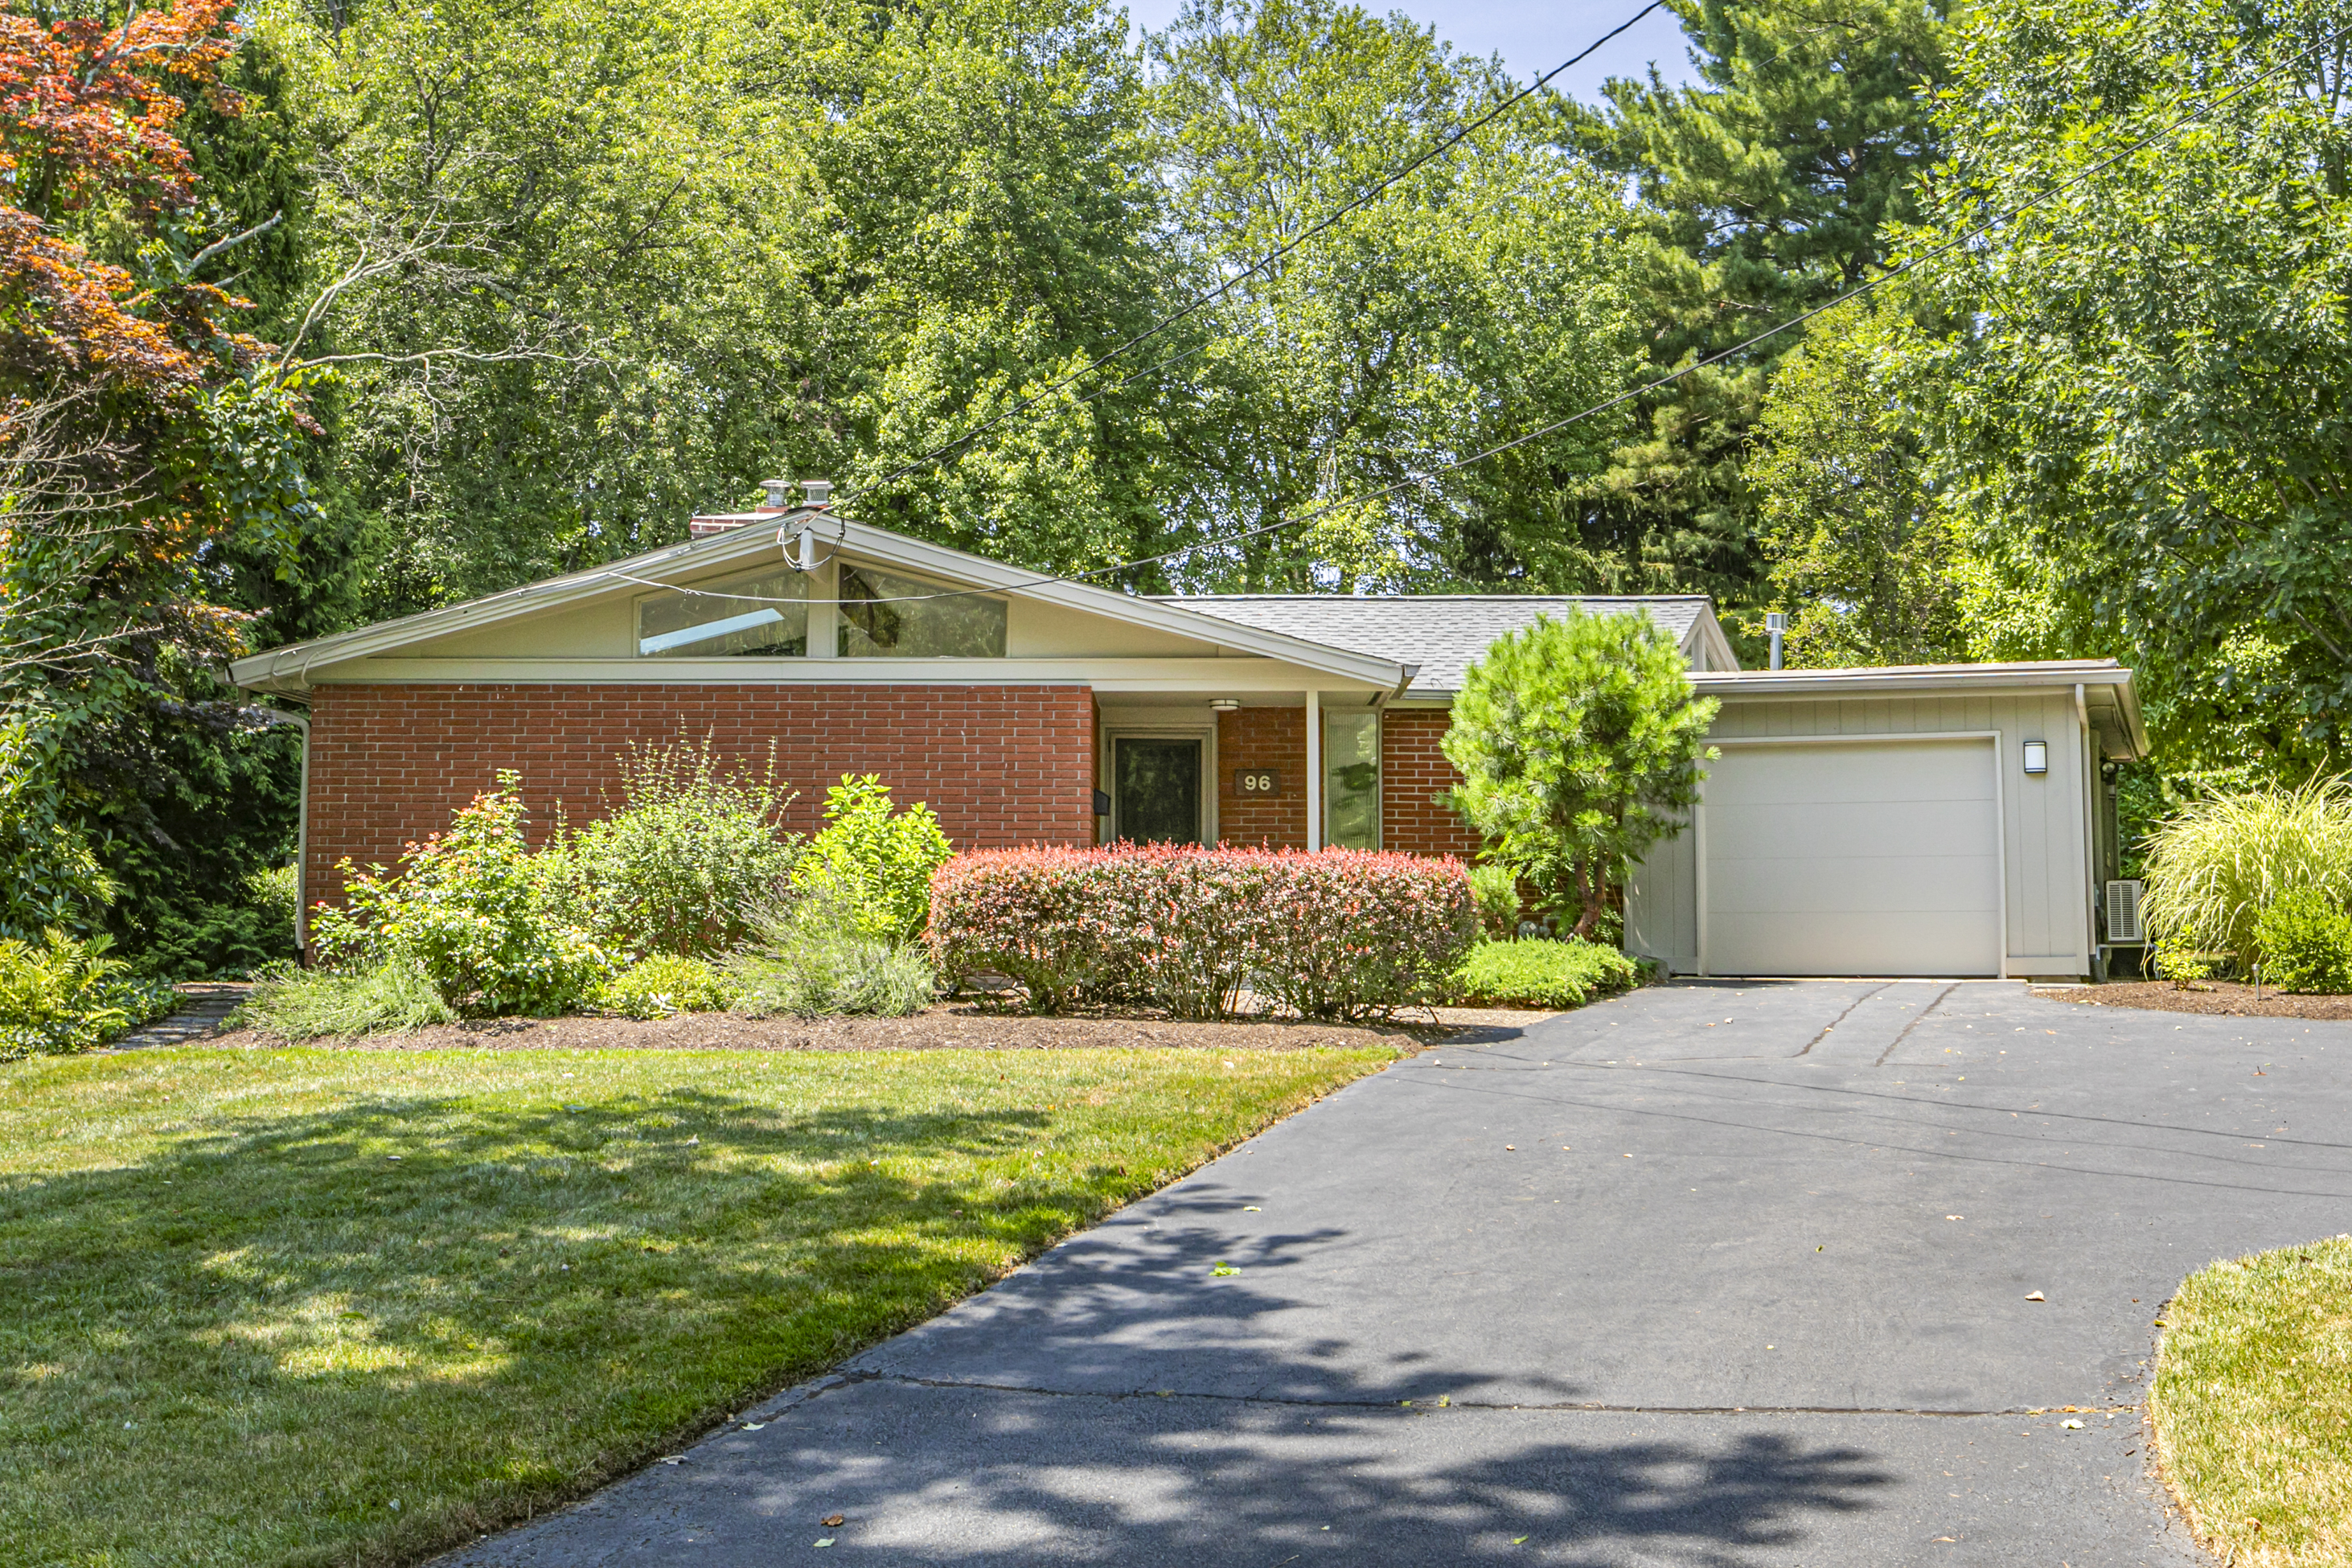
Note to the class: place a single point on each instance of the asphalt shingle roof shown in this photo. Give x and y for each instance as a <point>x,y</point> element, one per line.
<point>1442,633</point>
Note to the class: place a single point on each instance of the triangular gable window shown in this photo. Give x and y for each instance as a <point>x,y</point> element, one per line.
<point>884,615</point>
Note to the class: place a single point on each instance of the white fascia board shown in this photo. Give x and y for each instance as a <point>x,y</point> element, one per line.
<point>2105,672</point>
<point>287,669</point>
<point>896,549</point>
<point>1210,676</point>
<point>1705,629</point>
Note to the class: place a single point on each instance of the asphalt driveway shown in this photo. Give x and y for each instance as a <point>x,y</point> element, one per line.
<point>1713,1274</point>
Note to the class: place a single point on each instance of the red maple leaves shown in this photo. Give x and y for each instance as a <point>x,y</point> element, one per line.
<point>87,114</point>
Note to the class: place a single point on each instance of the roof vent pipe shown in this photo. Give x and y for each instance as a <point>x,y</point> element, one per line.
<point>778,494</point>
<point>816,493</point>
<point>1777,623</point>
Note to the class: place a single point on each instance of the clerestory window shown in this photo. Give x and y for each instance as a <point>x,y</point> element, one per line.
<point>888,616</point>
<point>743,616</point>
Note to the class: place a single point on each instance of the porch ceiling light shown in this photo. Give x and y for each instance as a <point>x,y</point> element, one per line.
<point>1224,704</point>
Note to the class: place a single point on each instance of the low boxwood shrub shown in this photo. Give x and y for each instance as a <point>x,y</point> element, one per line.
<point>666,984</point>
<point>1340,935</point>
<point>2305,939</point>
<point>61,993</point>
<point>1535,971</point>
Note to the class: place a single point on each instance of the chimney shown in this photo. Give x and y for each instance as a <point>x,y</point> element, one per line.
<point>778,491</point>
<point>816,494</point>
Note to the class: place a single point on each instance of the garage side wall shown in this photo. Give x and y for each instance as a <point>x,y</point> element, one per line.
<point>1001,765</point>
<point>2046,819</point>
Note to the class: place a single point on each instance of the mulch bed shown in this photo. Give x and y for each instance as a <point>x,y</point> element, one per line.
<point>953,1026</point>
<point>2224,998</point>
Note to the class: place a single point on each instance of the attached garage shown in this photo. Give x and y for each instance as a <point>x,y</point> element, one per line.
<point>1871,857</point>
<point>1946,820</point>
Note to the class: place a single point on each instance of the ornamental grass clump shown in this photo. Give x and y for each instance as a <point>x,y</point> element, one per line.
<point>1340,935</point>
<point>2215,867</point>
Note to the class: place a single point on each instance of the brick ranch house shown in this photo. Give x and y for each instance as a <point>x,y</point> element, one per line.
<point>1939,820</point>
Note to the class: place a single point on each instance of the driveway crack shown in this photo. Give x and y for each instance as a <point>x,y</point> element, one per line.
<point>1833,1023</point>
<point>1914,1023</point>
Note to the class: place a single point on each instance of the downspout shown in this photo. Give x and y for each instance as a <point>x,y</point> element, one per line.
<point>2090,837</point>
<point>301,836</point>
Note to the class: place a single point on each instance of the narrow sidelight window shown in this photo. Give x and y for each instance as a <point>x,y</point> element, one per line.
<point>1352,780</point>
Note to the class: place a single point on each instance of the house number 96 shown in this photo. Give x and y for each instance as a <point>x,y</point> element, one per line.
<point>1257,781</point>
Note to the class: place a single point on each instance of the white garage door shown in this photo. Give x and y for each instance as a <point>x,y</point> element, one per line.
<point>1879,857</point>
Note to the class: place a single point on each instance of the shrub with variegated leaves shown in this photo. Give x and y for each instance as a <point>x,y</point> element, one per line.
<point>1340,935</point>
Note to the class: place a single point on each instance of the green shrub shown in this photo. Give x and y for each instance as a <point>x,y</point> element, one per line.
<point>2305,939</point>
<point>2212,869</point>
<point>690,857</point>
<point>1579,742</point>
<point>1495,889</point>
<point>275,893</point>
<point>665,985</point>
<point>493,927</point>
<point>308,1004</point>
<point>2174,960</point>
<point>64,994</point>
<point>1538,972</point>
<point>877,864</point>
<point>1340,935</point>
<point>815,963</point>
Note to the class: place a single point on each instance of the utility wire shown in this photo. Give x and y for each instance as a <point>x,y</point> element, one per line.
<point>1957,240</point>
<point>1202,302</point>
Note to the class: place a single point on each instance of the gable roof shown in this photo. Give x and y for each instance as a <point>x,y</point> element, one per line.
<point>287,669</point>
<point>1443,633</point>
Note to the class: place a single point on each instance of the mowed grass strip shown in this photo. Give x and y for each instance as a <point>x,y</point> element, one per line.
<point>2252,1405</point>
<point>352,1307</point>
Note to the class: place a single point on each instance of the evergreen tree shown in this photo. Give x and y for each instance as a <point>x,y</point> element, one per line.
<point>1767,186</point>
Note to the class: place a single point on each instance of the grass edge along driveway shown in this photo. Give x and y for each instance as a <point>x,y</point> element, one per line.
<point>2252,1405</point>
<point>301,1306</point>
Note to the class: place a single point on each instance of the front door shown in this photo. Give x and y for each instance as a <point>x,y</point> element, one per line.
<point>1157,786</point>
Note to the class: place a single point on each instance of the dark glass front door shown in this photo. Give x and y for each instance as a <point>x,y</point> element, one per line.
<point>1159,791</point>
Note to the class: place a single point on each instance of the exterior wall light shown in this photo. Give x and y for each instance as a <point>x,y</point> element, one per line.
<point>2037,756</point>
<point>1224,704</point>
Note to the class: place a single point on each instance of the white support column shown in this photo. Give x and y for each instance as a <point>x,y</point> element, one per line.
<point>1313,770</point>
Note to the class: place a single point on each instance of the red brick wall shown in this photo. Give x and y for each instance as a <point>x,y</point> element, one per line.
<point>1413,769</point>
<point>1263,738</point>
<point>1001,765</point>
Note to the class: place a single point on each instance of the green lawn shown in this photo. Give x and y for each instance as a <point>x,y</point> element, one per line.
<point>349,1307</point>
<point>2252,1405</point>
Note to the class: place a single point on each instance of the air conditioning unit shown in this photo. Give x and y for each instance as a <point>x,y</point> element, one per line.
<point>2122,912</point>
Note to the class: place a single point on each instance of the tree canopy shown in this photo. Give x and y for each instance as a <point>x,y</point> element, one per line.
<point>317,313</point>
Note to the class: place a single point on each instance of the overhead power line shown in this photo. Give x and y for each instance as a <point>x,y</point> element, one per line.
<point>1201,301</point>
<point>1974,232</point>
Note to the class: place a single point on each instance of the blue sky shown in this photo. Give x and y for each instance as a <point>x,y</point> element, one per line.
<point>1531,37</point>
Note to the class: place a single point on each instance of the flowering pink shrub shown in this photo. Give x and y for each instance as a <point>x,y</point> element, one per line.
<point>1340,935</point>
